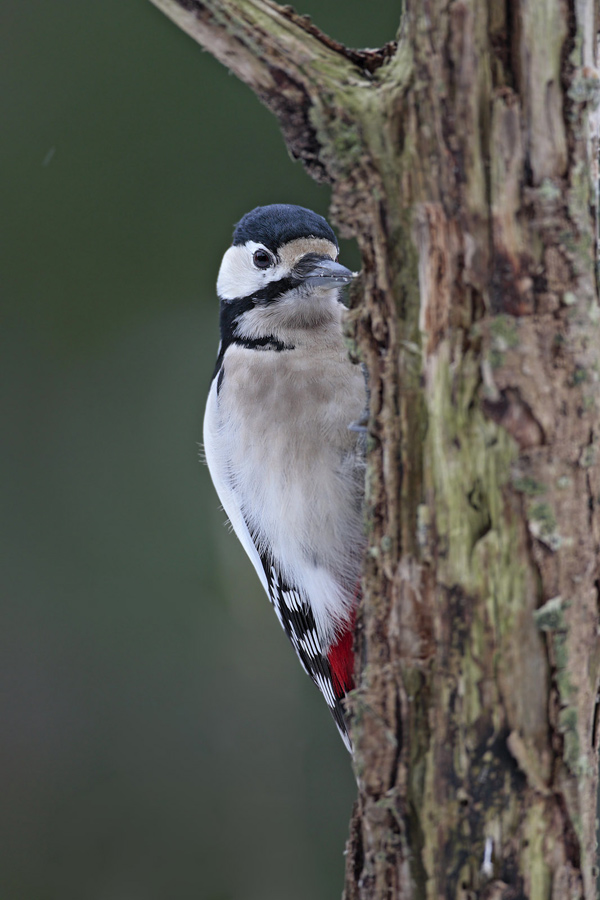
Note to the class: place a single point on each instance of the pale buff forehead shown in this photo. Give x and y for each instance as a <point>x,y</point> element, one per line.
<point>300,246</point>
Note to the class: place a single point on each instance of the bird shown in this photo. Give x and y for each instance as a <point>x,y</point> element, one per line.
<point>283,437</point>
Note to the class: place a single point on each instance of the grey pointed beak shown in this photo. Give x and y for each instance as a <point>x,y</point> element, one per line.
<point>322,270</point>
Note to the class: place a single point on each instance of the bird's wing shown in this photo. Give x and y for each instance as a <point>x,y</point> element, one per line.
<point>297,620</point>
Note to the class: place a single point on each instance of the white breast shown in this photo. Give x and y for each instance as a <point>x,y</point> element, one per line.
<point>288,469</point>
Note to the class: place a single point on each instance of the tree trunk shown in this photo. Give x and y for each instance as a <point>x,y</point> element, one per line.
<point>463,159</point>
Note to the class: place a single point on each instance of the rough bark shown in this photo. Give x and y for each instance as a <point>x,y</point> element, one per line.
<point>463,159</point>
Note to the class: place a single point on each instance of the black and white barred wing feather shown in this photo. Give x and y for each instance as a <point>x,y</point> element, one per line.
<point>297,620</point>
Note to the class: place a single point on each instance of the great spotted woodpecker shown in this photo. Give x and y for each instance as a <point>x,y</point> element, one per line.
<point>284,455</point>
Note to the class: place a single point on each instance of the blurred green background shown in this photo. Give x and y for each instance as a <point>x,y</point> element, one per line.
<point>159,739</point>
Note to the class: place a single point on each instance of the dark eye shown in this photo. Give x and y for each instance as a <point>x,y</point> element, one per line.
<point>262,259</point>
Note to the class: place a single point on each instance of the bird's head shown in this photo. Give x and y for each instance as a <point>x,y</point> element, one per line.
<point>281,272</point>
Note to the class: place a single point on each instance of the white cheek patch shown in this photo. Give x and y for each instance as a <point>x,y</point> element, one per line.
<point>239,277</point>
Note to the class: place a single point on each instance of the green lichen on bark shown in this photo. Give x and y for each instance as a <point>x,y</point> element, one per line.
<point>538,872</point>
<point>469,464</point>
